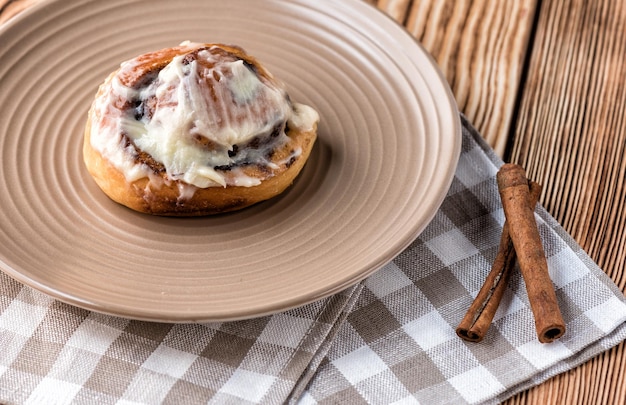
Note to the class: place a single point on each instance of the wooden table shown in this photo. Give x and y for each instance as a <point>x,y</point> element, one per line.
<point>545,83</point>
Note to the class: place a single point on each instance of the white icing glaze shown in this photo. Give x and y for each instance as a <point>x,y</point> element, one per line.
<point>303,117</point>
<point>213,100</point>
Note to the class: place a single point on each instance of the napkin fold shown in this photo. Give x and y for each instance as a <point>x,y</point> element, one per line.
<point>54,353</point>
<point>388,339</point>
<point>398,344</point>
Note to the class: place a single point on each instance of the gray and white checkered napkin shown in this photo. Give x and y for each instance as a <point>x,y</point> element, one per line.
<point>388,339</point>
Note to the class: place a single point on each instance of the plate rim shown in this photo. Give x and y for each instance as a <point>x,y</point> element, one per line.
<point>269,309</point>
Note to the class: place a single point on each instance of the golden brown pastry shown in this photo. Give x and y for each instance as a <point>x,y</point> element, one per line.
<point>193,130</point>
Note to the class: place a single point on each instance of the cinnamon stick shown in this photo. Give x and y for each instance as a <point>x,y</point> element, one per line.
<point>514,192</point>
<point>474,326</point>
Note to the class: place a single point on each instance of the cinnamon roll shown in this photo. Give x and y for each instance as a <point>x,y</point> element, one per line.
<point>196,129</point>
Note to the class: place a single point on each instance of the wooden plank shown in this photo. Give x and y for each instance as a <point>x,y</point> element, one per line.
<point>571,133</point>
<point>480,46</point>
<point>571,137</point>
<point>577,65</point>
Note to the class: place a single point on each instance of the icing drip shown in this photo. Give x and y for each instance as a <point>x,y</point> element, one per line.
<point>195,116</point>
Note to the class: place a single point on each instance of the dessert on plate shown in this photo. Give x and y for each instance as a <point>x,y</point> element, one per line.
<point>193,130</point>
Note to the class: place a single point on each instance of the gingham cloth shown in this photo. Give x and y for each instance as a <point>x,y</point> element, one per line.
<point>388,339</point>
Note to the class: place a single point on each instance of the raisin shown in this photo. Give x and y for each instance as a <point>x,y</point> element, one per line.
<point>233,152</point>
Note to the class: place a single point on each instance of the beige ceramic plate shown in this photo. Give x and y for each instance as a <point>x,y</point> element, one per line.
<point>388,145</point>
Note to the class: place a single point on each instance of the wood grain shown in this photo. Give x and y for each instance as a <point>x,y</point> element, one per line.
<point>571,138</point>
<point>480,45</point>
<point>570,133</point>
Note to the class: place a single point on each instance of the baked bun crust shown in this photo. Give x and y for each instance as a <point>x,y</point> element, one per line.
<point>138,180</point>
